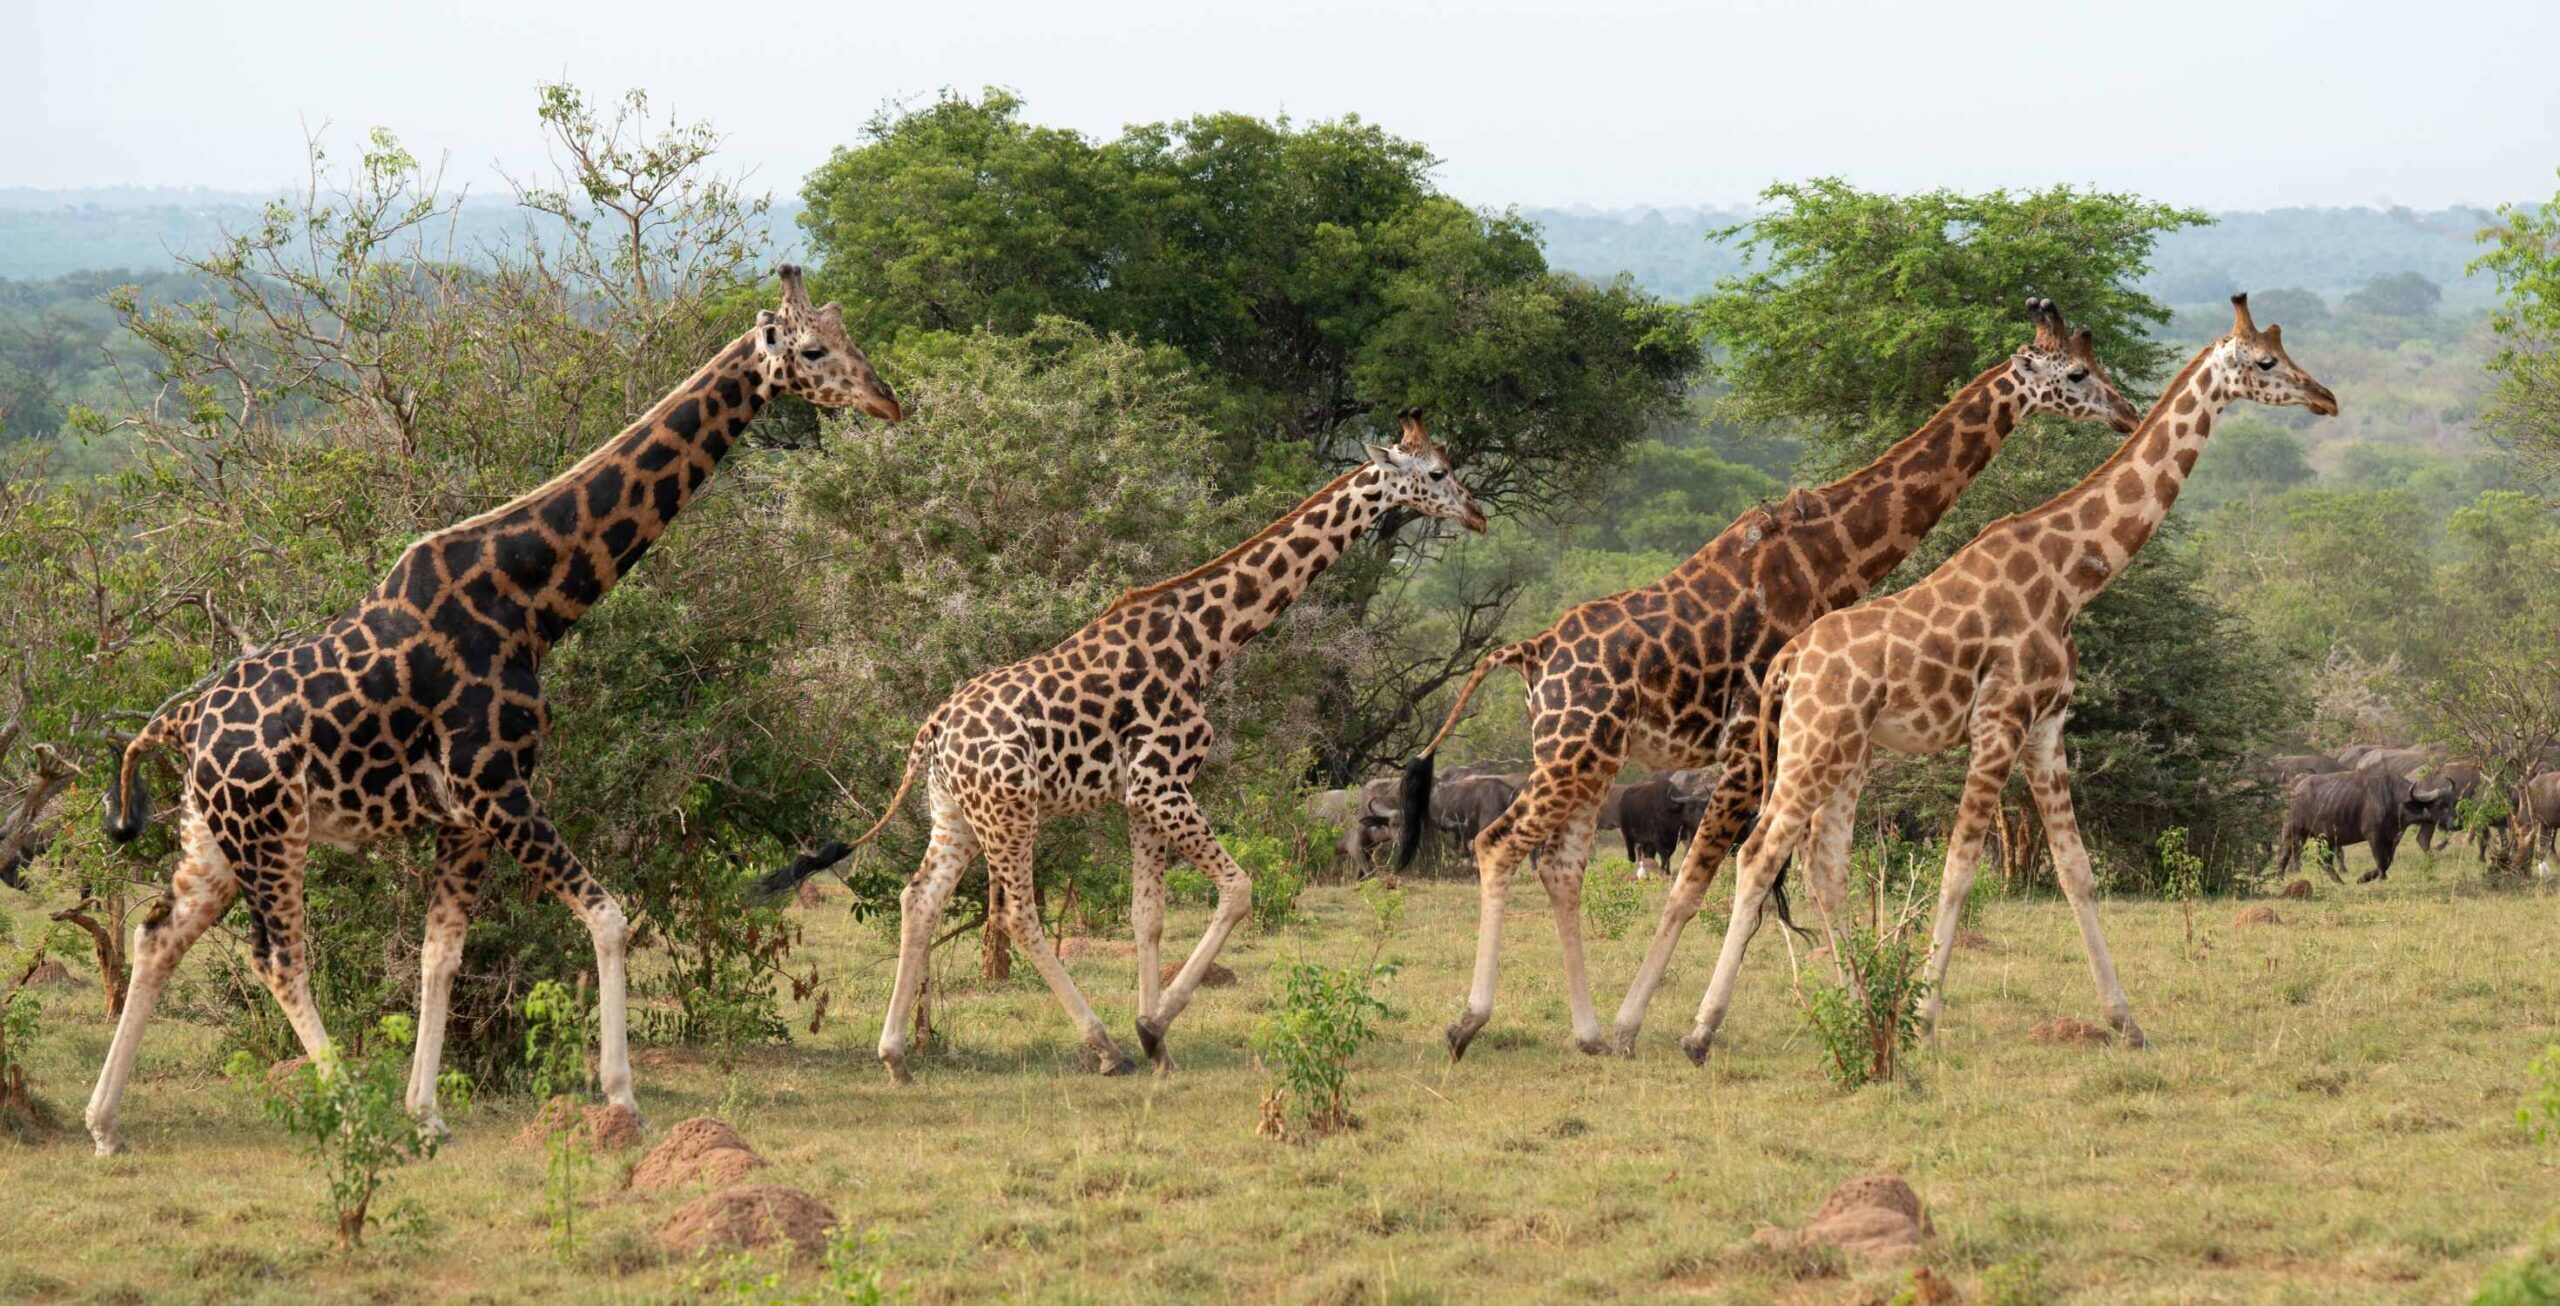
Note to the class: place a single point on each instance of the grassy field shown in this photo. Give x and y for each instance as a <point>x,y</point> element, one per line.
<point>2327,1114</point>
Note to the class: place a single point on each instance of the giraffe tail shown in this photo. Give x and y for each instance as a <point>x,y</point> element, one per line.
<point>826,855</point>
<point>128,798</point>
<point>1773,693</point>
<point>1414,796</point>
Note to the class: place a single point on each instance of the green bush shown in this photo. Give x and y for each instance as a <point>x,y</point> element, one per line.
<point>346,1111</point>
<point>1865,1026</point>
<point>1277,879</point>
<point>1307,1046</point>
<point>1612,902</point>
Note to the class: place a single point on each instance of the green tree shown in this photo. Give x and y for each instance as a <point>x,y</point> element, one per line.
<point>2400,294</point>
<point>2524,258</point>
<point>1862,313</point>
<point>1312,276</point>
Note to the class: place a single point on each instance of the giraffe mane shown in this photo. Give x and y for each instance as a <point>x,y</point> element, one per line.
<point>1267,533</point>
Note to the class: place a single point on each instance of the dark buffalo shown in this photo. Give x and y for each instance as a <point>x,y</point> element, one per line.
<point>2366,806</point>
<point>1612,810</point>
<point>2293,766</point>
<point>2538,811</point>
<point>1657,819</point>
<point>1464,806</point>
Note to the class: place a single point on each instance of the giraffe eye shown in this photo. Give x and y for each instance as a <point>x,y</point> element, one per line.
<point>813,353</point>
<point>1439,474</point>
<point>2267,364</point>
<point>2079,374</point>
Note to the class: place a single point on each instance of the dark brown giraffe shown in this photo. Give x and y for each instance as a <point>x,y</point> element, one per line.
<point>1981,652</point>
<point>423,705</point>
<point>1664,675</point>
<point>1112,716</point>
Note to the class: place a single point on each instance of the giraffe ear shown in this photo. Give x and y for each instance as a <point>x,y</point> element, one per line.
<point>1382,455</point>
<point>768,334</point>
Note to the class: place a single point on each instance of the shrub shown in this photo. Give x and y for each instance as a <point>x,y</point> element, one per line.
<point>556,1021</point>
<point>1277,879</point>
<point>1866,1025</point>
<point>1612,903</point>
<point>2182,879</point>
<point>2533,1280</point>
<point>346,1111</point>
<point>2540,1111</point>
<point>1308,1044</point>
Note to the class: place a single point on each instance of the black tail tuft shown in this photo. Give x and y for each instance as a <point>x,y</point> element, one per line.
<point>1778,898</point>
<point>1414,800</point>
<point>801,869</point>
<point>128,805</point>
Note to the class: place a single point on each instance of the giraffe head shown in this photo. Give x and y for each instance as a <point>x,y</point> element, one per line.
<point>1415,474</point>
<point>2253,365</point>
<point>803,350</point>
<point>2058,373</point>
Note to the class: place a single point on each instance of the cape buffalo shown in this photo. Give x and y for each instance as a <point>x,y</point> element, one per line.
<point>1466,805</point>
<point>1657,819</point>
<point>2293,766</point>
<point>2366,806</point>
<point>2538,810</point>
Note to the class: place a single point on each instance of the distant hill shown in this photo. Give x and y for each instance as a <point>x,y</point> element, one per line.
<point>50,233</point>
<point>2327,250</point>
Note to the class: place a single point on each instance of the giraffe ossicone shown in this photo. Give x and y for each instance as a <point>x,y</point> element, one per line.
<point>423,705</point>
<point>1980,652</point>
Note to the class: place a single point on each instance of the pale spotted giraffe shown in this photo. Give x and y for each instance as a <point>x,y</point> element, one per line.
<point>1981,652</point>
<point>423,706</point>
<point>1112,716</point>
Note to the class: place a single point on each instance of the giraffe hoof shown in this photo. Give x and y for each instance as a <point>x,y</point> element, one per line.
<point>898,1072</point>
<point>2131,1033</point>
<point>1594,1046</point>
<point>1697,1048</point>
<point>1115,1065</point>
<point>110,1144</point>
<point>1461,1032</point>
<point>1151,1038</point>
<point>1624,1043</point>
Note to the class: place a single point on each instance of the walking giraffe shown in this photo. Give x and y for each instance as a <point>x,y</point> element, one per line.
<point>423,705</point>
<point>1664,675</point>
<point>1112,715</point>
<point>1981,651</point>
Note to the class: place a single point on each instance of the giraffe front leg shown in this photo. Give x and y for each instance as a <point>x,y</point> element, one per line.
<point>1762,858</point>
<point>200,891</point>
<point>920,907</point>
<point>516,821</point>
<point>1729,813</point>
<point>462,857</point>
<point>2049,774</point>
<point>1148,855</point>
<point>1006,831</point>
<point>1995,750</point>
<point>1187,832</point>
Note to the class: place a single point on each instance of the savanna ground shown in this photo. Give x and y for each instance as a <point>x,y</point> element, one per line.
<point>2327,1114</point>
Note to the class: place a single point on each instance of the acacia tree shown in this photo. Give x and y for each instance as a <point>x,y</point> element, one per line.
<point>1314,278</point>
<point>1860,314</point>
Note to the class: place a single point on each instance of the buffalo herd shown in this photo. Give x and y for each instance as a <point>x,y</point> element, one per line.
<point>2369,794</point>
<point>1655,816</point>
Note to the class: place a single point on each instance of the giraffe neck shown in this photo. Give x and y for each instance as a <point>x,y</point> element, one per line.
<point>1211,611</point>
<point>1887,507</point>
<point>1875,516</point>
<point>2116,508</point>
<point>539,562</point>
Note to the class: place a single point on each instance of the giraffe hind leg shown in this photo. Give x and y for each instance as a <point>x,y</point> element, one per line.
<point>517,823</point>
<point>920,906</point>
<point>1008,845</point>
<point>200,891</point>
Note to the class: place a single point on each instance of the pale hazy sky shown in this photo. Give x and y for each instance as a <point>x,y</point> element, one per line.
<point>2232,104</point>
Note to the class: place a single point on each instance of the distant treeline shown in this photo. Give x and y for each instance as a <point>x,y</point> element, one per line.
<point>1666,250</point>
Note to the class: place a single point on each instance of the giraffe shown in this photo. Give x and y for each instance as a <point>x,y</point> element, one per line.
<point>1664,675</point>
<point>1112,715</point>
<point>423,705</point>
<point>1981,652</point>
